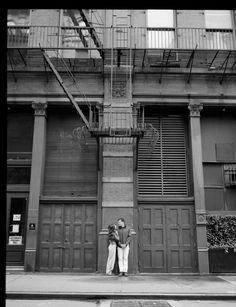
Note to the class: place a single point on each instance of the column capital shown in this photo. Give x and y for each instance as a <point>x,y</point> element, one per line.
<point>195,109</point>
<point>39,107</point>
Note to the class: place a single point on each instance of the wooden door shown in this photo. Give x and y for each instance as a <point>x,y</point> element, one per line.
<point>152,239</point>
<point>180,230</point>
<point>167,238</point>
<point>67,239</point>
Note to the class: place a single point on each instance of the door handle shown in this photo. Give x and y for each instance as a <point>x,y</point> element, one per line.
<point>61,246</point>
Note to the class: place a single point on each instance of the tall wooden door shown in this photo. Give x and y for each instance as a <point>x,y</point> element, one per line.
<point>167,240</point>
<point>67,239</point>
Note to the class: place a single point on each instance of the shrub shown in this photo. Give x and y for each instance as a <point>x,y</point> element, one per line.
<point>221,232</point>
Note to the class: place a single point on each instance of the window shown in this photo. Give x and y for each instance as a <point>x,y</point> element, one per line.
<point>18,18</point>
<point>218,29</point>
<point>230,175</point>
<point>218,19</point>
<point>160,25</point>
<point>219,183</point>
<point>18,22</point>
<point>17,223</point>
<point>18,174</point>
<point>72,37</point>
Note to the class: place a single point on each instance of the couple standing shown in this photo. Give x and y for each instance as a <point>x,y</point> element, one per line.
<point>119,240</point>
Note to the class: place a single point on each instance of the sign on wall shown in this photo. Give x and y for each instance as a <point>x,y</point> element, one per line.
<point>15,240</point>
<point>16,217</point>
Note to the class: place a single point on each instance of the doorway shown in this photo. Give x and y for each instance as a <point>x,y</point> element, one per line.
<point>16,228</point>
<point>167,239</point>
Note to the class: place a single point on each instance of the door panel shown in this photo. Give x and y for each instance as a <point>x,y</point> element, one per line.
<point>153,240</point>
<point>167,238</point>
<point>180,228</point>
<point>67,237</point>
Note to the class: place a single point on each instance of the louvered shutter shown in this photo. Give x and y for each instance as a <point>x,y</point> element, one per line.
<point>162,171</point>
<point>71,168</point>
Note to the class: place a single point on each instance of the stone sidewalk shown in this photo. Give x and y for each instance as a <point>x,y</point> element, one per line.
<point>92,286</point>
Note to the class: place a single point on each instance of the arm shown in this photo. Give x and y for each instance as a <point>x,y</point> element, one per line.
<point>128,238</point>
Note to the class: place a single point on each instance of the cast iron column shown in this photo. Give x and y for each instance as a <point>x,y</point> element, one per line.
<point>36,181</point>
<point>198,183</point>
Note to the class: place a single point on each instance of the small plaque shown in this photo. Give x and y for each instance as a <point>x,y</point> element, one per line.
<point>31,226</point>
<point>16,217</point>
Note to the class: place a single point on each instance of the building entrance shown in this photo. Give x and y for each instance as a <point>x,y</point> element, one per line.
<point>16,228</point>
<point>67,237</point>
<point>167,242</point>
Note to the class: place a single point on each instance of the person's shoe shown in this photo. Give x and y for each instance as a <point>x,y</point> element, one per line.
<point>120,274</point>
<point>125,274</point>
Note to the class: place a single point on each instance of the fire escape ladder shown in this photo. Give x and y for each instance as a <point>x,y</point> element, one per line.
<point>67,92</point>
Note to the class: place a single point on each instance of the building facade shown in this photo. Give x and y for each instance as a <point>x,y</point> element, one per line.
<point>118,113</point>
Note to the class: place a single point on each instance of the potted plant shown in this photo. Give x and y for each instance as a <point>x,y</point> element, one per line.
<point>221,238</point>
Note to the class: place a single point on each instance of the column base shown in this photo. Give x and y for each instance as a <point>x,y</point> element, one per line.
<point>203,261</point>
<point>30,260</point>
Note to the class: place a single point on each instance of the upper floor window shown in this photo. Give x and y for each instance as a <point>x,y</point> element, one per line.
<point>18,22</point>
<point>160,18</point>
<point>18,17</point>
<point>218,19</point>
<point>71,36</point>
<point>160,25</point>
<point>218,29</point>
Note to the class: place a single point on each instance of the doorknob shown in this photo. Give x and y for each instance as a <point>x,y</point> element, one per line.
<point>61,246</point>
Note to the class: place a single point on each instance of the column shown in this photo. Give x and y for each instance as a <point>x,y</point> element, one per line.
<point>36,181</point>
<point>198,183</point>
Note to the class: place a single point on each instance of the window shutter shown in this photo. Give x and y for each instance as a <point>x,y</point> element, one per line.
<point>163,170</point>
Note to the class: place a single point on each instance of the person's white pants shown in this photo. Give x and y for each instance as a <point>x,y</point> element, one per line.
<point>111,258</point>
<point>123,254</point>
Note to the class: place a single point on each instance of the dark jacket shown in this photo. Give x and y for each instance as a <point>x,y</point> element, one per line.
<point>112,236</point>
<point>124,235</point>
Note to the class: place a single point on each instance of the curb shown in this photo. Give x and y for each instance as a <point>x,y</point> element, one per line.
<point>95,296</point>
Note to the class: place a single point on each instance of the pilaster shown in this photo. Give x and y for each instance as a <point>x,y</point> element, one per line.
<point>198,183</point>
<point>36,181</point>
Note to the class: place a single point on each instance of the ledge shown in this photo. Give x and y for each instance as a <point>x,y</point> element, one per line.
<point>117,179</point>
<point>118,204</point>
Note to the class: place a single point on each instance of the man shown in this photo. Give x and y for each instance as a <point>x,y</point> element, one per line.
<point>123,251</point>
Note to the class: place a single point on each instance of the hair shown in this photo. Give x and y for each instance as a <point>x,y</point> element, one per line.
<point>111,227</point>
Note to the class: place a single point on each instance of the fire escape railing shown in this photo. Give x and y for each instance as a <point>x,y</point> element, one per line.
<point>141,37</point>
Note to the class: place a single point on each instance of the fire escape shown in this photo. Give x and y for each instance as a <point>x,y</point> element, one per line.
<point>117,58</point>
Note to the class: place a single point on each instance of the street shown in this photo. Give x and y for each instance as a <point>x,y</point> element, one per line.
<point>118,303</point>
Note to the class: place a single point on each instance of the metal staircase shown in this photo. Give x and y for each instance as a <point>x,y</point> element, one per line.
<point>117,118</point>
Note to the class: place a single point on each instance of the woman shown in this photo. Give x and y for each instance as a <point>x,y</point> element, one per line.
<point>114,241</point>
